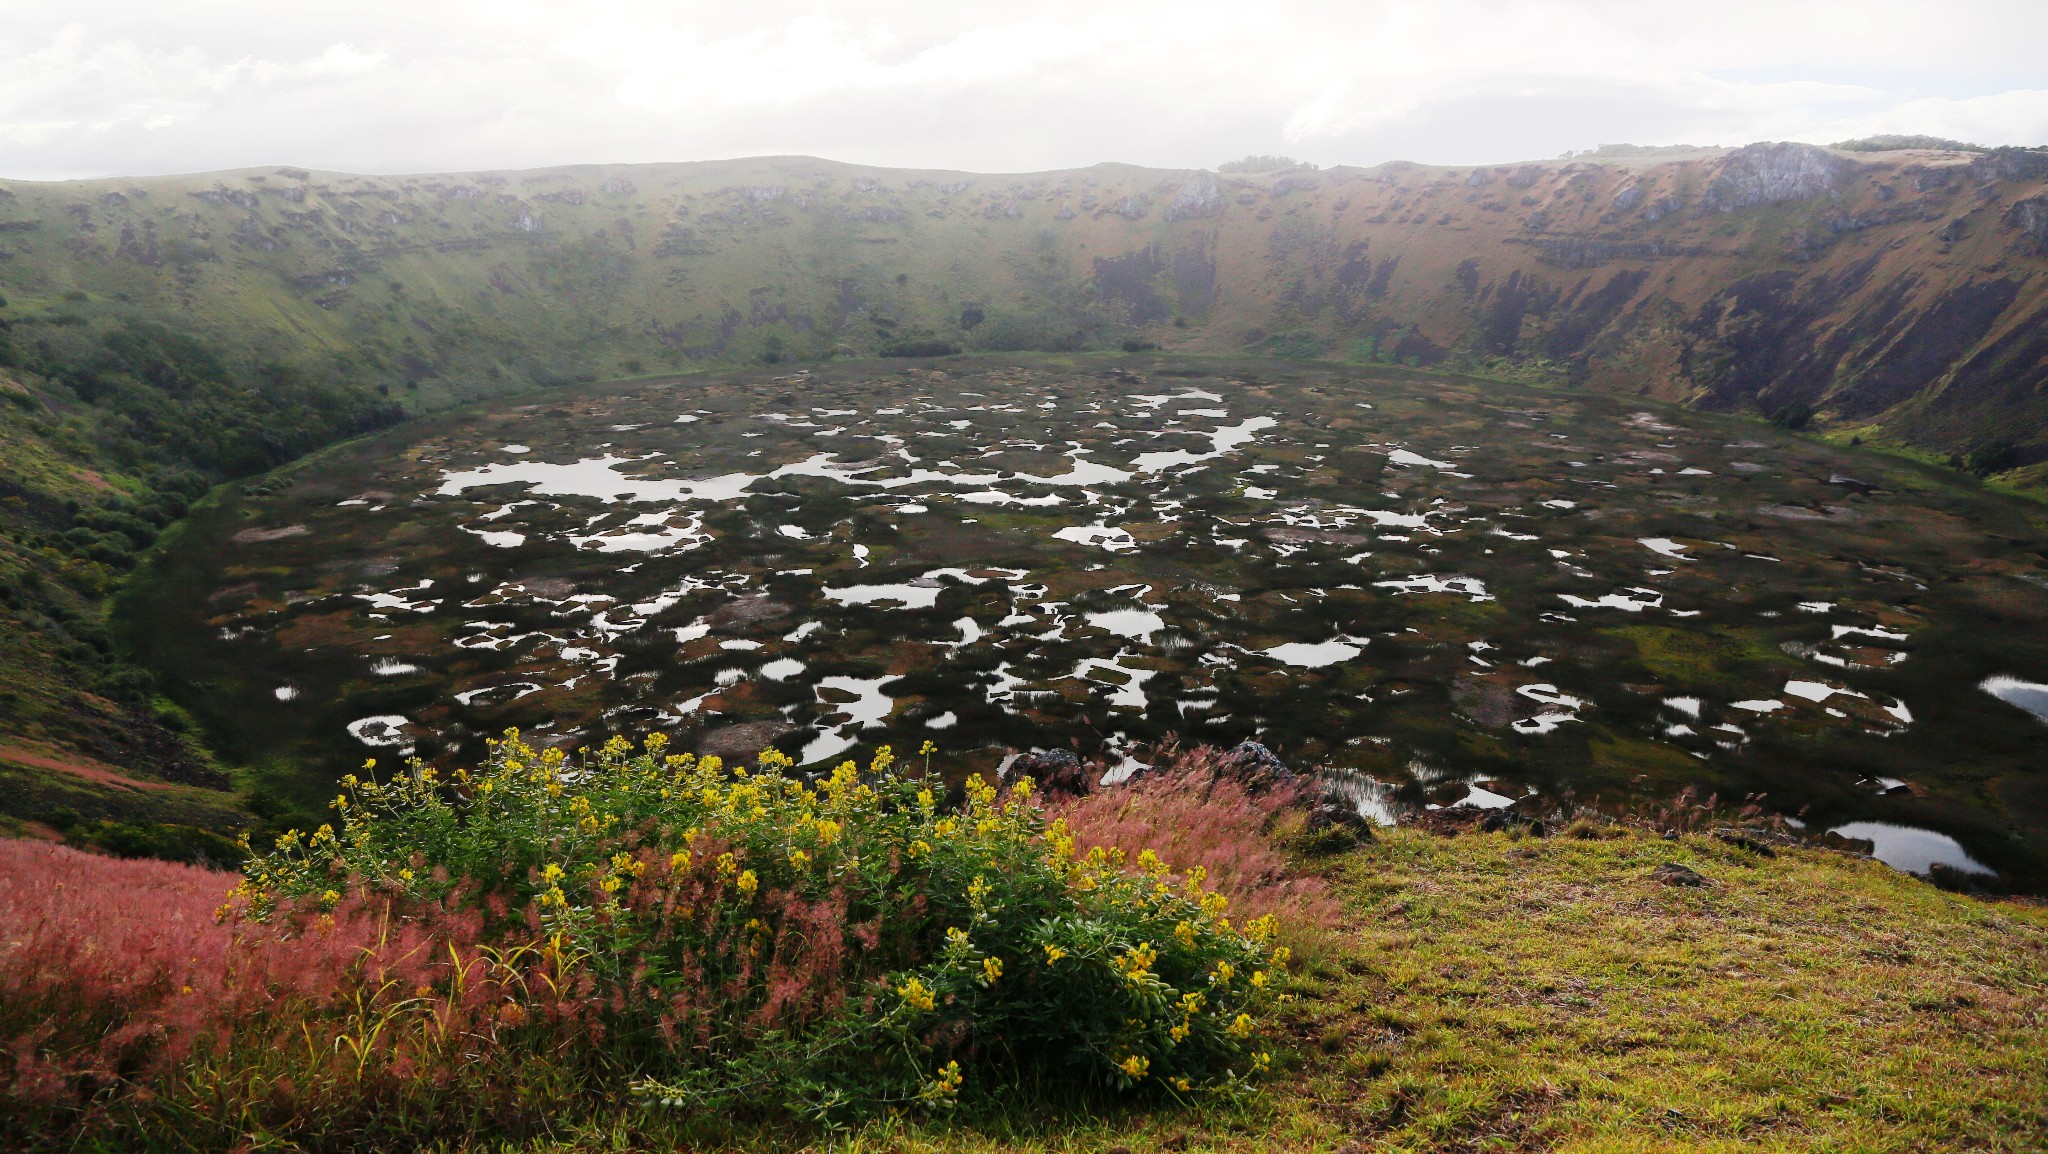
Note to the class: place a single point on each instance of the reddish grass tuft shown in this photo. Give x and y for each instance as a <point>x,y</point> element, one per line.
<point>1190,815</point>
<point>103,964</point>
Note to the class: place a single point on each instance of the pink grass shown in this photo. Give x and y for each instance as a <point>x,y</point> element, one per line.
<point>1191,817</point>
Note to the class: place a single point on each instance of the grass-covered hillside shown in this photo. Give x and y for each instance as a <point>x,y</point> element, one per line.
<point>1890,292</point>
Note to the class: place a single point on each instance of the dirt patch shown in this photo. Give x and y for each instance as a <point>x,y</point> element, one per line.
<point>1797,513</point>
<point>743,610</point>
<point>243,591</point>
<point>743,740</point>
<point>75,765</point>
<point>1487,702</point>
<point>547,588</point>
<point>1290,536</point>
<point>256,536</point>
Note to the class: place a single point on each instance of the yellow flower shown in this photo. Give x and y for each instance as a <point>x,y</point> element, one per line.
<point>551,872</point>
<point>920,848</point>
<point>1136,962</point>
<point>1262,1061</point>
<point>1183,1085</point>
<point>916,995</point>
<point>941,1090</point>
<point>991,969</point>
<point>1240,1026</point>
<point>405,875</point>
<point>679,861</point>
<point>1135,1067</point>
<point>1281,956</point>
<point>799,858</point>
<point>1186,933</point>
<point>330,897</point>
<point>925,800</point>
<point>1053,954</point>
<point>1222,974</point>
<point>748,883</point>
<point>609,885</point>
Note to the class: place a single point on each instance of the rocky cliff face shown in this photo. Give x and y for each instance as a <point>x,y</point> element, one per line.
<point>1904,295</point>
<point>1770,173</point>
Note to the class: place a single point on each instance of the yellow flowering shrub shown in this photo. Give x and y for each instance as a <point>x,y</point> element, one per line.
<point>845,940</point>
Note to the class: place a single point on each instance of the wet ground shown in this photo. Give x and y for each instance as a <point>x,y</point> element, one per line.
<point>1451,590</point>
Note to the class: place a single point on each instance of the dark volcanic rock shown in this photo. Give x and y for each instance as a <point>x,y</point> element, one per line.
<point>1057,772</point>
<point>1334,827</point>
<point>1673,874</point>
<point>2030,218</point>
<point>1745,840</point>
<point>1256,766</point>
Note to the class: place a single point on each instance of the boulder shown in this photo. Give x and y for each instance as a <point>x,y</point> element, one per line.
<point>1257,767</point>
<point>1057,772</point>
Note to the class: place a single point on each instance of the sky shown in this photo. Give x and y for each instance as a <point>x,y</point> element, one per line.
<point>147,87</point>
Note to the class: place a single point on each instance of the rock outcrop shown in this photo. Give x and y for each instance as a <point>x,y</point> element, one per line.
<point>1198,198</point>
<point>1770,174</point>
<point>2030,218</point>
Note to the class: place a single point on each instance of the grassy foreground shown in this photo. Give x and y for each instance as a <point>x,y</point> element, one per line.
<point>1503,993</point>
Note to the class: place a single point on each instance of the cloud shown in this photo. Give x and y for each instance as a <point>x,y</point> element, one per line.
<point>92,87</point>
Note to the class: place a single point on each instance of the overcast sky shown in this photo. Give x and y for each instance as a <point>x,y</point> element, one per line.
<point>142,87</point>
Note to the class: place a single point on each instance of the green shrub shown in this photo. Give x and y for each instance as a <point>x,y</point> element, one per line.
<point>832,948</point>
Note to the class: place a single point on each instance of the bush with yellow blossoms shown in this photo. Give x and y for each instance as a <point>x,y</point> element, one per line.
<point>834,945</point>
